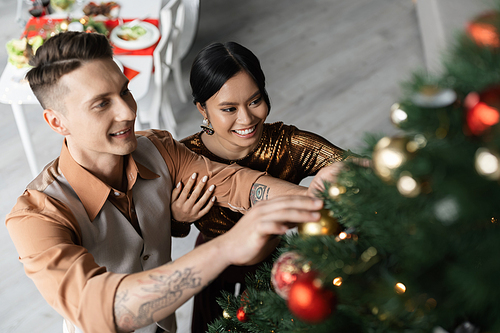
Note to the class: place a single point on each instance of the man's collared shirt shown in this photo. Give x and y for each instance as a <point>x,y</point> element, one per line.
<point>48,238</point>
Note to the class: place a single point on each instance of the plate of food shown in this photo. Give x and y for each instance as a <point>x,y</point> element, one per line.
<point>135,36</point>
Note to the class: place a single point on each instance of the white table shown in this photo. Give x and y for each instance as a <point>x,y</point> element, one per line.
<point>16,92</point>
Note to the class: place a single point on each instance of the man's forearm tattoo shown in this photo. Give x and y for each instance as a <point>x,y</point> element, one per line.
<point>258,193</point>
<point>165,291</point>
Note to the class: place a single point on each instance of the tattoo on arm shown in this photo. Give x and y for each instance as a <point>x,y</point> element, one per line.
<point>160,291</point>
<point>258,193</point>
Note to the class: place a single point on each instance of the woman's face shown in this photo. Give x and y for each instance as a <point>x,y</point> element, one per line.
<point>237,113</point>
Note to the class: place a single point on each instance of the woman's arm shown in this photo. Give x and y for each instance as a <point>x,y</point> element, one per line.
<point>311,152</point>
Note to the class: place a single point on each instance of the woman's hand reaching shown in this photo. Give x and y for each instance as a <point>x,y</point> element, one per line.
<point>330,174</point>
<point>187,206</point>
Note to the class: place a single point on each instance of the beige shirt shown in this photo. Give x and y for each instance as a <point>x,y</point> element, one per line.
<point>48,238</point>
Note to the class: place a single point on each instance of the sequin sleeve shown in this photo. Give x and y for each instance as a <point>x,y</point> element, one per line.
<point>283,152</point>
<point>312,152</point>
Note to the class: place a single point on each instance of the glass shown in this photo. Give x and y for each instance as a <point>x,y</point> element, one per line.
<point>37,9</point>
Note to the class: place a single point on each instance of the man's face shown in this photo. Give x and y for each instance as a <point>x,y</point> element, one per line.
<point>99,112</point>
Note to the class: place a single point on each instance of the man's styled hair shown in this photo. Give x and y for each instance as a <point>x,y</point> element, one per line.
<point>60,55</point>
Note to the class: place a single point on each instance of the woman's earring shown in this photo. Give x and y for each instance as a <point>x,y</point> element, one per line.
<point>207,127</point>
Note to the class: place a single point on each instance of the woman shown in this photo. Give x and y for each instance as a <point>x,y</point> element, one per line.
<point>229,91</point>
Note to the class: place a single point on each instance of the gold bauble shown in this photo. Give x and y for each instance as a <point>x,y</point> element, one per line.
<point>336,190</point>
<point>398,115</point>
<point>327,225</point>
<point>226,314</point>
<point>408,186</point>
<point>389,154</point>
<point>488,163</point>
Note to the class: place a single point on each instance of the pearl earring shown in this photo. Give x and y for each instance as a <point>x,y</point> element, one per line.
<point>207,127</point>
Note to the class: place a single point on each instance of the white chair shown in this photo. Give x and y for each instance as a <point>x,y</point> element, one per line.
<point>176,13</point>
<point>166,61</point>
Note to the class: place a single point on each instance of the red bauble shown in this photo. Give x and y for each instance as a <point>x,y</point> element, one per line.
<point>483,110</point>
<point>284,273</point>
<point>241,315</point>
<point>308,301</point>
<point>483,29</point>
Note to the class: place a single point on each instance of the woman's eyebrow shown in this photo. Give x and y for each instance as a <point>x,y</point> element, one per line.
<point>255,94</point>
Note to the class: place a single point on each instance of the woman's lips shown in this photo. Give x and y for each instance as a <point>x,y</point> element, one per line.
<point>246,131</point>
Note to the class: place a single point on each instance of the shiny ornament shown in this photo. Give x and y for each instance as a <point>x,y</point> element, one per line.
<point>327,225</point>
<point>336,190</point>
<point>482,30</point>
<point>482,110</point>
<point>241,315</point>
<point>285,272</point>
<point>487,163</point>
<point>407,185</point>
<point>337,282</point>
<point>226,314</point>
<point>447,210</point>
<point>309,301</point>
<point>431,96</point>
<point>400,288</point>
<point>398,115</point>
<point>388,155</point>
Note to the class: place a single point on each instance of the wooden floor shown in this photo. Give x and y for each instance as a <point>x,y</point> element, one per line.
<point>333,67</point>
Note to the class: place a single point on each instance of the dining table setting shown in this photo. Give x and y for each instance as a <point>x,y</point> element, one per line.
<point>132,27</point>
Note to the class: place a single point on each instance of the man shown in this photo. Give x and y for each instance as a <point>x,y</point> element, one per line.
<point>93,229</point>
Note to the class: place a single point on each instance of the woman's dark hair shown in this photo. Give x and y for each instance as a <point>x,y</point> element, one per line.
<point>217,63</point>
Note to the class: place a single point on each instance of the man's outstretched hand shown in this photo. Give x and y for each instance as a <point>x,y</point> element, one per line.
<point>330,174</point>
<point>253,238</point>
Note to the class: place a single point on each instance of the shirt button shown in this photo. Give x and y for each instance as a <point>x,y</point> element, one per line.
<point>146,257</point>
<point>117,194</point>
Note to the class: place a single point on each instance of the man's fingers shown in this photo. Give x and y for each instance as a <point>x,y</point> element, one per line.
<point>364,162</point>
<point>289,202</point>
<point>291,215</point>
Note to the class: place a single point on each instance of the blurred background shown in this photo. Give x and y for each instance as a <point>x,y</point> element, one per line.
<point>333,67</point>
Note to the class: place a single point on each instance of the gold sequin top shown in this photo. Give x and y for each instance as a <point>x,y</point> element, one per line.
<point>283,152</point>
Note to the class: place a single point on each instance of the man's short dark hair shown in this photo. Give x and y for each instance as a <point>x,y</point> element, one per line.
<point>60,55</point>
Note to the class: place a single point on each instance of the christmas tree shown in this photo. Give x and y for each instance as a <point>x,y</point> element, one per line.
<point>412,243</point>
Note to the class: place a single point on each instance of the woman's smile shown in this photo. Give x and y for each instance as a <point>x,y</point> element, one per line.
<point>246,133</point>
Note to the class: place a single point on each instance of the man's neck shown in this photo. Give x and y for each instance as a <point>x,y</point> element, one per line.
<point>108,168</point>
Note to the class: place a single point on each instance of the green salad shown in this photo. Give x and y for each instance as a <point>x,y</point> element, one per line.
<point>131,33</point>
<point>61,4</point>
<point>21,50</point>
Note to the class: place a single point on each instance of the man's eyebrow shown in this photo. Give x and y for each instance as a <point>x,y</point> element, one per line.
<point>255,94</point>
<point>103,95</point>
<point>125,85</point>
